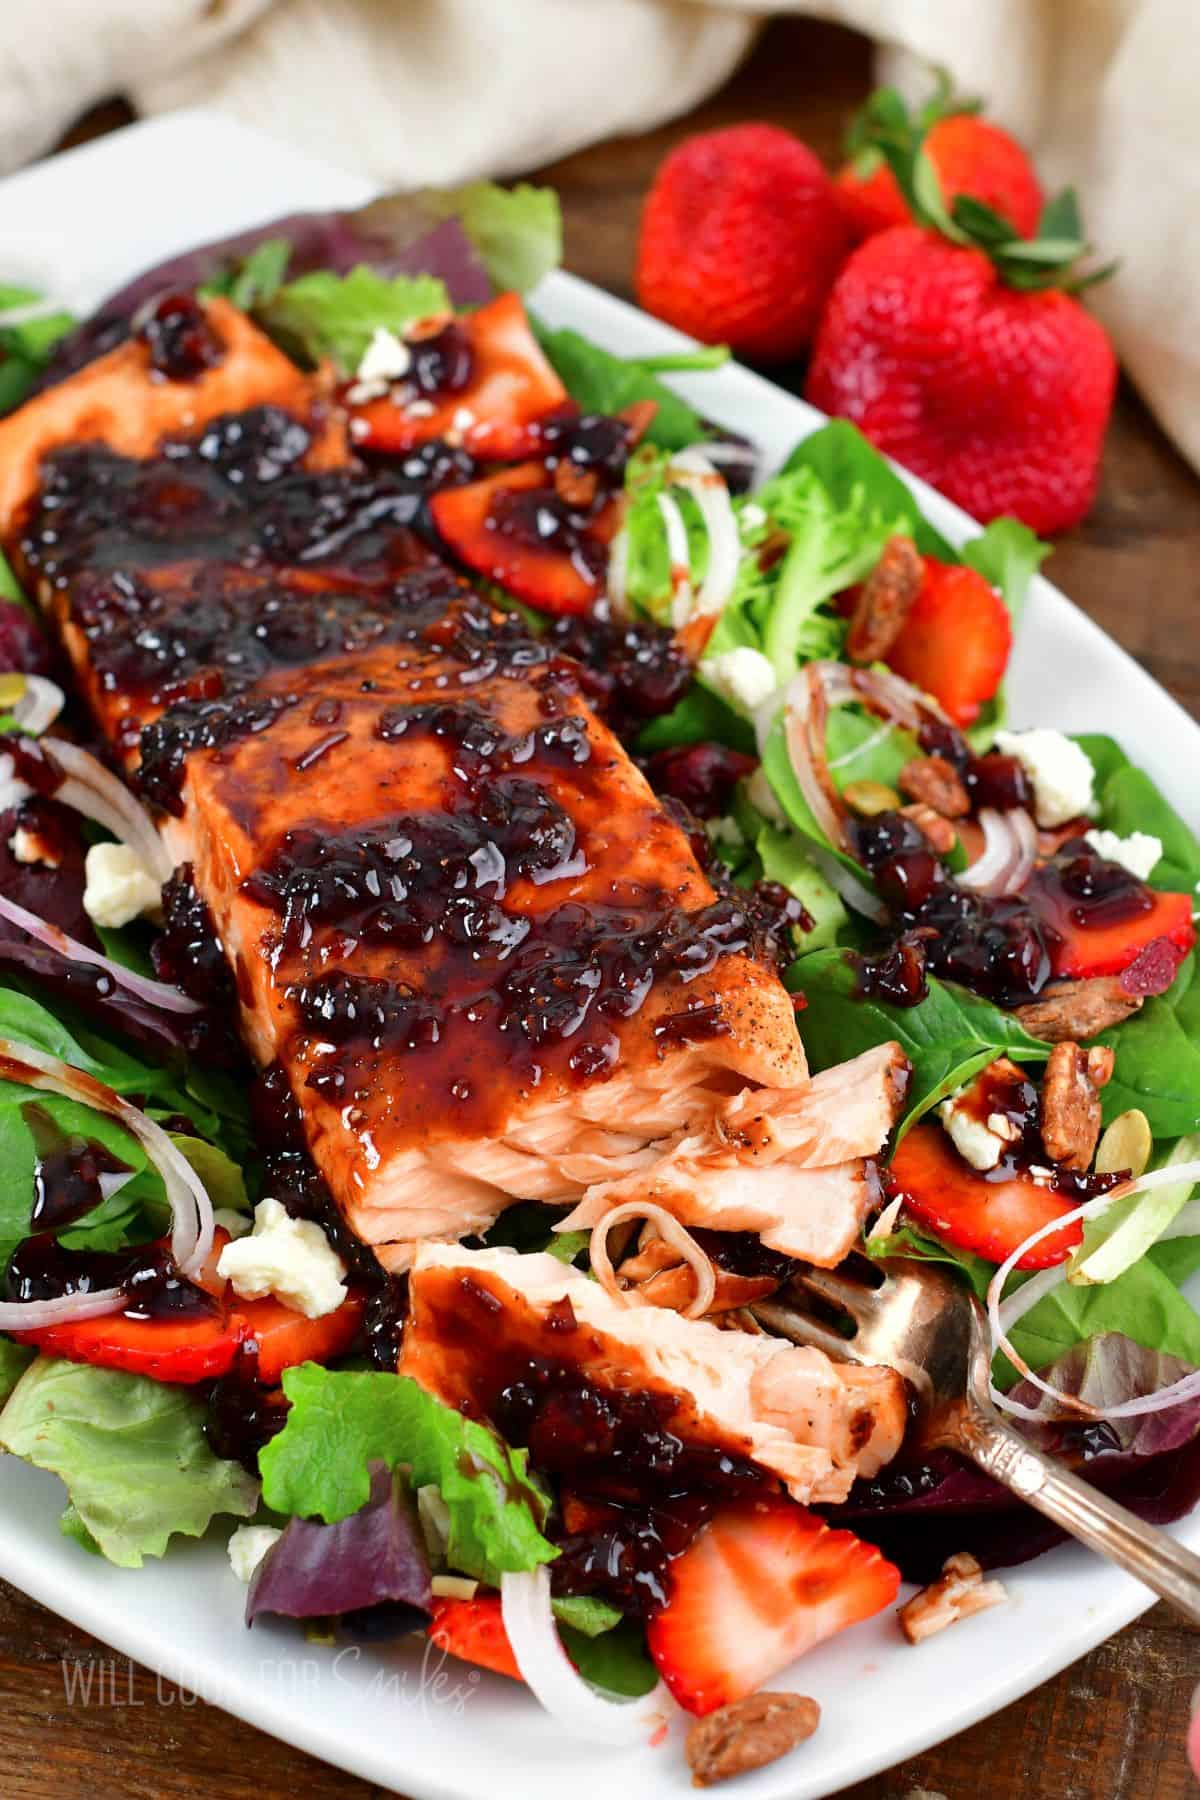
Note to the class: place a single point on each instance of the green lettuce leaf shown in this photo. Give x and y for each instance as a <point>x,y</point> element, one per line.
<point>132,1453</point>
<point>341,1421</point>
<point>14,1360</point>
<point>585,1613</point>
<point>616,1660</point>
<point>25,349</point>
<point>949,1037</point>
<point>1128,800</point>
<point>326,315</point>
<point>845,463</point>
<point>1008,555</point>
<point>783,858</point>
<point>517,231</point>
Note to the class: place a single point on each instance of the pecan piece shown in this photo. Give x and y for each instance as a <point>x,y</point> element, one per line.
<point>1078,1009</point>
<point>885,600</point>
<point>748,1734</point>
<point>938,832</point>
<point>1071,1102</point>
<point>934,781</point>
<point>959,1591</point>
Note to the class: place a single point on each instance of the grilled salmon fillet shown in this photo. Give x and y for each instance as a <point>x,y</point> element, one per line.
<point>537,1348</point>
<point>487,961</point>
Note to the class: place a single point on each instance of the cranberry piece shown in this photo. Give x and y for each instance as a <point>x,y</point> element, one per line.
<point>442,363</point>
<point>595,441</point>
<point>181,341</point>
<point>629,672</point>
<point>899,856</point>
<point>703,776</point>
<point>896,975</point>
<point>999,782</point>
<point>23,646</point>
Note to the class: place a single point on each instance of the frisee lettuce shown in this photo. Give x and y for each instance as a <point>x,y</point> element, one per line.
<point>340,1421</point>
<point>132,1453</point>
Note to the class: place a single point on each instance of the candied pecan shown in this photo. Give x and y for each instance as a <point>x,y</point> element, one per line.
<point>577,487</point>
<point>1077,1009</point>
<point>885,600</point>
<point>748,1734</point>
<point>935,782</point>
<point>938,832</point>
<point>1071,1102</point>
<point>959,1591</point>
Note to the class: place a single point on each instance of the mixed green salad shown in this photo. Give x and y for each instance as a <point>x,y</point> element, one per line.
<point>1013,908</point>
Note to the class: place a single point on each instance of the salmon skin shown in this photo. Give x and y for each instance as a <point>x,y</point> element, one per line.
<point>488,962</point>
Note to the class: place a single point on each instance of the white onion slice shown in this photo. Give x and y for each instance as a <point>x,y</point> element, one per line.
<point>673,1233</point>
<point>191,1208</point>
<point>806,718</point>
<point>678,559</point>
<point>693,472</point>
<point>618,573</point>
<point>155,993</point>
<point>721,450</point>
<point>553,1680</point>
<point>1003,1314</point>
<point>94,791</point>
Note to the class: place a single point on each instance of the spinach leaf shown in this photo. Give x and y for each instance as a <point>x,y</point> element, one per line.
<point>1008,555</point>
<point>949,1037</point>
<point>604,383</point>
<point>1158,1059</point>
<point>840,456</point>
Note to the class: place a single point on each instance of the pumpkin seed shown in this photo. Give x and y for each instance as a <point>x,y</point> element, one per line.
<point>1125,1145</point>
<point>12,687</point>
<point>867,798</point>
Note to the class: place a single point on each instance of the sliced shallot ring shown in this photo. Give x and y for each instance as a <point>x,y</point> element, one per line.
<point>155,993</point>
<point>694,473</point>
<point>989,873</point>
<point>191,1208</point>
<point>94,791</point>
<point>673,1233</point>
<point>553,1680</point>
<point>1003,1314</point>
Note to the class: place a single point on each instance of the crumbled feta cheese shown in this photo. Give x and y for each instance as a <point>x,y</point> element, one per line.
<point>761,796</point>
<point>1060,772</point>
<point>13,791</point>
<point>234,1224</point>
<point>290,1258</point>
<point>743,676</point>
<point>975,1142</point>
<point>463,419</point>
<point>1139,852</point>
<point>1003,1127</point>
<point>386,358</point>
<point>119,887</point>
<point>752,515</point>
<point>247,1547</point>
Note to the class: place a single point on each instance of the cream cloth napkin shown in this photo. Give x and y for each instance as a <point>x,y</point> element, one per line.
<point>438,91</point>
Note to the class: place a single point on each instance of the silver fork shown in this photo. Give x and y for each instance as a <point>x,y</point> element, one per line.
<point>925,1324</point>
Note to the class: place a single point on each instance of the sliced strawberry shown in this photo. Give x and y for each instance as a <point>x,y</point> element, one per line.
<point>517,529</point>
<point>956,641</point>
<point>989,1217</point>
<point>762,1583</point>
<point>285,1338</point>
<point>497,414</point>
<point>1078,950</point>
<point>201,1343</point>
<point>184,1350</point>
<point>473,1630</point>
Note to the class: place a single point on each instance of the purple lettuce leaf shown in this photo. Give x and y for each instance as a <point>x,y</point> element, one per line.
<point>919,1512</point>
<point>394,236</point>
<point>370,1568</point>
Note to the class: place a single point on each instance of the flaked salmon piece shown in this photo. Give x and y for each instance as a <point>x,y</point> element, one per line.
<point>494,1335</point>
<point>121,400</point>
<point>789,1163</point>
<point>453,906</point>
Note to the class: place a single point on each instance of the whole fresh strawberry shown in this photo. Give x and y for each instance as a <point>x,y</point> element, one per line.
<point>741,237</point>
<point>968,155</point>
<point>961,363</point>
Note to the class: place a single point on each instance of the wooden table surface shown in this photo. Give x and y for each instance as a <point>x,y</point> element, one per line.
<point>1112,1727</point>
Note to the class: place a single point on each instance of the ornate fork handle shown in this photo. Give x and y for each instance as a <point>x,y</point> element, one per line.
<point>1168,1568</point>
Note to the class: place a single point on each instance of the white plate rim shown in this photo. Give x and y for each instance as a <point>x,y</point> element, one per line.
<point>235,176</point>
